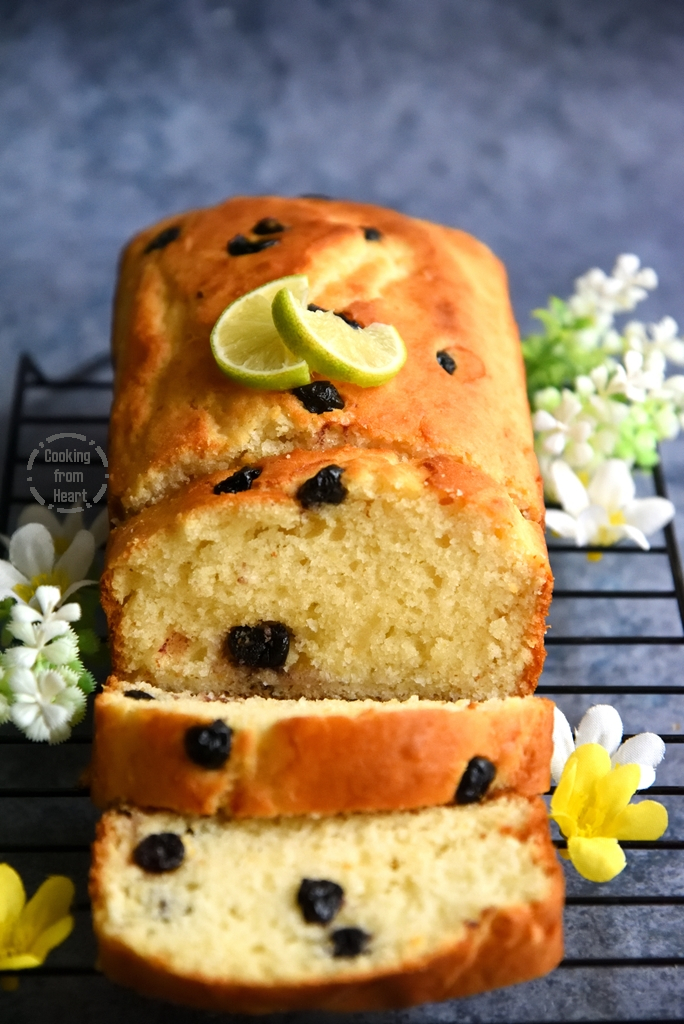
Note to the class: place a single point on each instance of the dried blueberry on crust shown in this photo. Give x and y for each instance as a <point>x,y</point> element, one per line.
<point>325,488</point>
<point>319,900</point>
<point>268,226</point>
<point>242,480</point>
<point>239,245</point>
<point>475,781</point>
<point>319,396</point>
<point>265,645</point>
<point>162,851</point>
<point>209,745</point>
<point>163,239</point>
<point>372,235</point>
<point>138,695</point>
<point>349,942</point>
<point>446,361</point>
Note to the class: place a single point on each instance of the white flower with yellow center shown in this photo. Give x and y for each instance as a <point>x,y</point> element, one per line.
<point>33,563</point>
<point>64,531</point>
<point>607,510</point>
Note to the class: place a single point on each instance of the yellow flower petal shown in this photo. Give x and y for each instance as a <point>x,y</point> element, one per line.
<point>583,769</point>
<point>645,820</point>
<point>593,762</point>
<point>613,792</point>
<point>19,962</point>
<point>597,859</point>
<point>561,799</point>
<point>566,824</point>
<point>47,908</point>
<point>12,900</point>
<point>52,936</point>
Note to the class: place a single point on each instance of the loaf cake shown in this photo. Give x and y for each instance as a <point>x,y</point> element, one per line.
<point>176,417</point>
<point>356,912</point>
<point>306,592</point>
<point>257,757</point>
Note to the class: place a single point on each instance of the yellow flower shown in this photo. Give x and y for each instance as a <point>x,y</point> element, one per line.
<point>28,931</point>
<point>591,806</point>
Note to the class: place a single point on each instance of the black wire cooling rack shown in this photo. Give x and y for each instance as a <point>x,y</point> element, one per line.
<point>617,635</point>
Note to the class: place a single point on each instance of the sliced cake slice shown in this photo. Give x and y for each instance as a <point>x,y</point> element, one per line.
<point>355,912</point>
<point>259,757</point>
<point>346,573</point>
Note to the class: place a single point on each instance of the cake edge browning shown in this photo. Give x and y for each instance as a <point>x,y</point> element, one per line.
<point>503,947</point>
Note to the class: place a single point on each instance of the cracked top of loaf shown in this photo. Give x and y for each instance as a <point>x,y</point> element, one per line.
<point>177,417</point>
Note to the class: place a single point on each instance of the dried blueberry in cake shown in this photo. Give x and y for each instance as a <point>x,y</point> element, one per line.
<point>372,235</point>
<point>162,851</point>
<point>325,488</point>
<point>138,695</point>
<point>209,745</point>
<point>263,646</point>
<point>319,900</point>
<point>163,239</point>
<point>319,396</point>
<point>475,781</point>
<point>349,942</point>
<point>446,361</point>
<point>240,481</point>
<point>239,245</point>
<point>268,226</point>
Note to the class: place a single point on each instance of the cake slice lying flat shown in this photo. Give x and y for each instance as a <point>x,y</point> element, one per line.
<point>354,912</point>
<point>259,757</point>
<point>346,573</point>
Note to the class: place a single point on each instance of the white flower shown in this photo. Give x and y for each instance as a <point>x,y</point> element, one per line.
<point>564,431</point>
<point>600,297</point>
<point>64,532</point>
<point>46,704</point>
<point>32,563</point>
<point>607,510</point>
<point>602,724</point>
<point>661,337</point>
<point>43,633</point>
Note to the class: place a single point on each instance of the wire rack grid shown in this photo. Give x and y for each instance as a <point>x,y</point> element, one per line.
<point>617,635</point>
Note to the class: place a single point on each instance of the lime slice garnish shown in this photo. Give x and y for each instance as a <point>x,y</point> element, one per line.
<point>362,355</point>
<point>247,346</point>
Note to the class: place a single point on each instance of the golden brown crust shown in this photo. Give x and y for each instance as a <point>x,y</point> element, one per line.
<point>456,485</point>
<point>504,947</point>
<point>386,758</point>
<point>176,416</point>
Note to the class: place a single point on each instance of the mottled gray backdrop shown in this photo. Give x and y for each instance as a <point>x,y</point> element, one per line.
<point>552,129</point>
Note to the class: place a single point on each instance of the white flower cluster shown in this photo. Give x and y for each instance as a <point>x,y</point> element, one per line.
<point>43,683</point>
<point>39,685</point>
<point>618,406</point>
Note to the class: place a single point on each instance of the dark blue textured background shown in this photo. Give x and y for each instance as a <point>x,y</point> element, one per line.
<point>552,129</point>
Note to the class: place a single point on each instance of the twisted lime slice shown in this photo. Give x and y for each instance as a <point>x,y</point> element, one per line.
<point>367,356</point>
<point>247,346</point>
